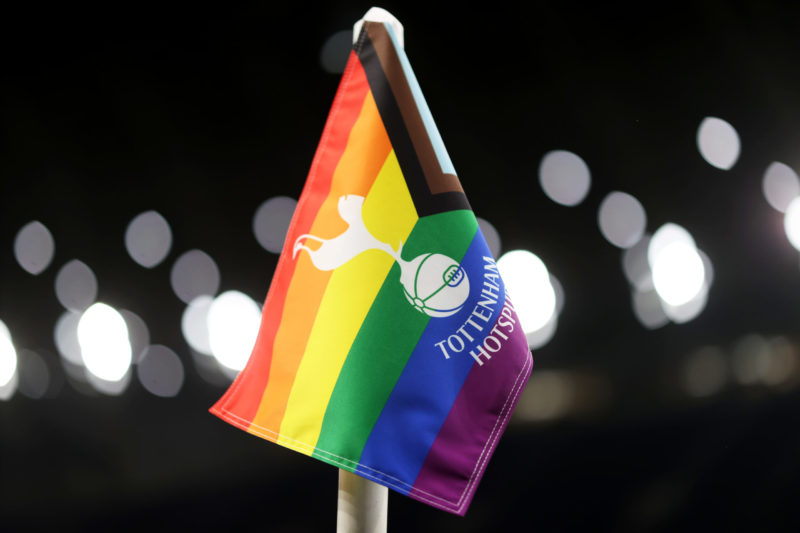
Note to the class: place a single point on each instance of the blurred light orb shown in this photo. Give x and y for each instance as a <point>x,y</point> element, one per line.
<point>109,388</point>
<point>194,324</point>
<point>528,284</point>
<point>7,391</point>
<point>335,51</point>
<point>194,274</point>
<point>540,337</point>
<point>148,238</point>
<point>622,219</point>
<point>663,237</point>
<point>551,395</point>
<point>209,369</point>
<point>491,235</point>
<point>636,266</point>
<point>689,309</point>
<point>780,186</point>
<point>708,268</point>
<point>34,376</point>
<point>34,247</point>
<point>678,273</point>
<point>791,222</point>
<point>751,359</point>
<point>564,177</point>
<point>647,307</point>
<point>104,340</point>
<point>76,286</point>
<point>138,334</point>
<point>8,356</point>
<point>160,371</point>
<point>558,290</point>
<point>233,322</point>
<point>65,335</point>
<point>271,222</point>
<point>705,372</point>
<point>718,143</point>
<point>783,362</point>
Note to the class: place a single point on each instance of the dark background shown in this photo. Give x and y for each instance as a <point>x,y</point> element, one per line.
<point>202,113</point>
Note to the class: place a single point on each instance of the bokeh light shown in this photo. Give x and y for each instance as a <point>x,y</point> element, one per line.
<point>564,177</point>
<point>65,335</point>
<point>8,356</point>
<point>194,324</point>
<point>636,266</point>
<point>271,222</point>
<point>148,238</point>
<point>335,51</point>
<point>791,222</point>
<point>558,290</point>
<point>76,286</point>
<point>8,390</point>
<point>780,185</point>
<point>648,309</point>
<point>622,219</point>
<point>104,341</point>
<point>138,334</point>
<point>491,235</point>
<point>209,369</point>
<point>718,143</point>
<point>194,274</point>
<point>110,388</point>
<point>34,247</point>
<point>233,322</point>
<point>528,284</point>
<point>678,273</point>
<point>34,375</point>
<point>689,309</point>
<point>757,360</point>
<point>784,362</point>
<point>160,371</point>
<point>705,372</point>
<point>538,338</point>
<point>750,359</point>
<point>548,396</point>
<point>678,270</point>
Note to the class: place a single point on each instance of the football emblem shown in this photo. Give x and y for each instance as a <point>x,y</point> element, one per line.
<point>434,284</point>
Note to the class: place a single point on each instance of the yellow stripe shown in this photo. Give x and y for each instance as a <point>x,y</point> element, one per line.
<point>389,214</point>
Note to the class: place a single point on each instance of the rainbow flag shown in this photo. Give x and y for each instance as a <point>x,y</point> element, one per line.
<point>388,346</point>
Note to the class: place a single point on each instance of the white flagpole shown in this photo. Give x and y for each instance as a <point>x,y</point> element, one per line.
<point>363,505</point>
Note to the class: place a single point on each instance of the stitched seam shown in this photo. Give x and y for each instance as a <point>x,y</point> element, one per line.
<point>343,461</point>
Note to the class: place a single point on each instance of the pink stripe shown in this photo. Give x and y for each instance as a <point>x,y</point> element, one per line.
<point>469,435</point>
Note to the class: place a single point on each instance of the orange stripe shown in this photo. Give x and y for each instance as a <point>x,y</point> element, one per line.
<point>244,395</point>
<point>366,152</point>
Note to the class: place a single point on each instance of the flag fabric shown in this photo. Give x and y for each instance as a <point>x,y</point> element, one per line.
<point>388,346</point>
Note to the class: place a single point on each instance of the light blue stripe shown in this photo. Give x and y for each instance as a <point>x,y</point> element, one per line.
<point>424,112</point>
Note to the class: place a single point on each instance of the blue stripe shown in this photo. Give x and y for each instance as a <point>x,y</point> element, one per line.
<point>427,388</point>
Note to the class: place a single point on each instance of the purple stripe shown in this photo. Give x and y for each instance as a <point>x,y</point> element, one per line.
<point>461,451</point>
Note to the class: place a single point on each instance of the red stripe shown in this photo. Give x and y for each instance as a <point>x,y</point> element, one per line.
<point>244,395</point>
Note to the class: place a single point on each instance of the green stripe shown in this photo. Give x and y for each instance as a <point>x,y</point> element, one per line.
<point>386,340</point>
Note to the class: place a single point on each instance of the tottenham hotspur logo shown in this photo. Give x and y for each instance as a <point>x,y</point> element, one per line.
<point>433,283</point>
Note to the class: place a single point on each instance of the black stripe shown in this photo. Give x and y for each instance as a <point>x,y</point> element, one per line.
<point>425,202</point>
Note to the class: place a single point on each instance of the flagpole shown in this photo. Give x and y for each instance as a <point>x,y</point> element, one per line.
<point>363,505</point>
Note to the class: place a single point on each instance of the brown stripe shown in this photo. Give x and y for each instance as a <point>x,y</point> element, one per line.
<point>438,182</point>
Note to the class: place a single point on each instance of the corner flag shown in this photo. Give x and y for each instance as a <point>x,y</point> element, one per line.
<point>388,346</point>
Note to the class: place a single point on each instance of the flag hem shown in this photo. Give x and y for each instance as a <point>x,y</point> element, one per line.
<point>458,506</point>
